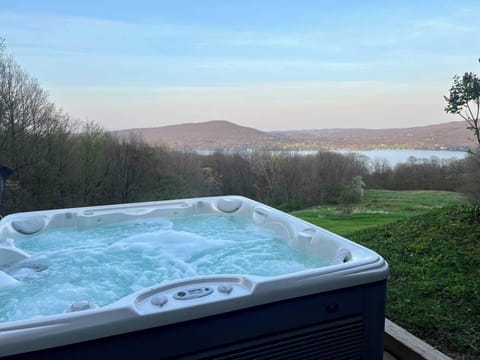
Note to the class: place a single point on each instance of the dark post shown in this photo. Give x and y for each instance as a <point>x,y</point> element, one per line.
<point>5,173</point>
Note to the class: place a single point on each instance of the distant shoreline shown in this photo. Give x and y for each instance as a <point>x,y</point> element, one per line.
<point>393,156</point>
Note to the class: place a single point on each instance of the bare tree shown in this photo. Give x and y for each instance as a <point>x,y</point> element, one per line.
<point>33,139</point>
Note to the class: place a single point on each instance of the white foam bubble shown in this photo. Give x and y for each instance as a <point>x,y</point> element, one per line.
<point>103,264</point>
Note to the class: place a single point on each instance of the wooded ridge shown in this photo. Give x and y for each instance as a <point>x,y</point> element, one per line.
<point>220,134</point>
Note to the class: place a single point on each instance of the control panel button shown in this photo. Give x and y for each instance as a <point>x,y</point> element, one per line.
<point>193,293</point>
<point>81,305</point>
<point>159,300</point>
<point>226,289</point>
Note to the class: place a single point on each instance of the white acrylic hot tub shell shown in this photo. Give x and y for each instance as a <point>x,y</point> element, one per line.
<point>136,311</point>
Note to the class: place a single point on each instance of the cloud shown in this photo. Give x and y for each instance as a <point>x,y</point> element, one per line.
<point>312,90</point>
<point>74,49</point>
<point>58,34</point>
<point>271,63</point>
<point>312,39</point>
<point>195,69</point>
<point>444,25</point>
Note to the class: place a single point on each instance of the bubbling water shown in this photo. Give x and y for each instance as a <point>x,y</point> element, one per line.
<point>103,264</point>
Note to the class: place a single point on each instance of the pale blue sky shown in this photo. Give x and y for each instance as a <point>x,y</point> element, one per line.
<point>267,64</point>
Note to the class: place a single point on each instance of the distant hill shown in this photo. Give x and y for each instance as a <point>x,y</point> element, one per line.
<point>216,134</point>
<point>220,134</point>
<point>452,135</point>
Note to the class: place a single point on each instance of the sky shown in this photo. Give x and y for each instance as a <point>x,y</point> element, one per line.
<point>272,65</point>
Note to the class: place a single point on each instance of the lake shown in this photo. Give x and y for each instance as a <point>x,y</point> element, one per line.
<point>393,157</point>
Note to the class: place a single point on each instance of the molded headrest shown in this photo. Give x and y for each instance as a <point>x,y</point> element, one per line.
<point>229,205</point>
<point>29,226</point>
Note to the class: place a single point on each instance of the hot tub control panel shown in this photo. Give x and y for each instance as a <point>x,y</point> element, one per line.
<point>193,293</point>
<point>185,296</point>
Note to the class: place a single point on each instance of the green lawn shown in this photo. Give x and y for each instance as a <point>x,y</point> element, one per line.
<point>434,284</point>
<point>379,207</point>
<point>431,240</point>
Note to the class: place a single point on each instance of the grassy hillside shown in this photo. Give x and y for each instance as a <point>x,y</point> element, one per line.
<point>379,207</point>
<point>431,239</point>
<point>434,287</point>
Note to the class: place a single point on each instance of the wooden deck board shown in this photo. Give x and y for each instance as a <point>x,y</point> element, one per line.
<point>388,356</point>
<point>404,345</point>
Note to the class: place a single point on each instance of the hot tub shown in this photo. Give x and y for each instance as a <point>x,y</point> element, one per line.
<point>206,278</point>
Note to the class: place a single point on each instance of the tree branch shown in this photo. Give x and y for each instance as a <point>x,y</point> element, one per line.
<point>470,110</point>
<point>465,118</point>
<point>478,107</point>
<point>476,130</point>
